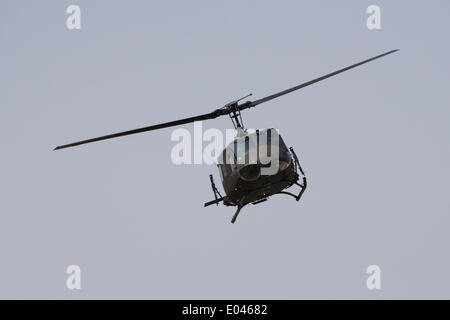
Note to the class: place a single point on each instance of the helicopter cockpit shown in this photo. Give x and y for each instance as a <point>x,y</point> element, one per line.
<point>262,152</point>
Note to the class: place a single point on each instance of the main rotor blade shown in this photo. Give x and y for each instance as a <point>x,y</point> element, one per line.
<point>281,93</point>
<point>218,112</point>
<point>206,116</point>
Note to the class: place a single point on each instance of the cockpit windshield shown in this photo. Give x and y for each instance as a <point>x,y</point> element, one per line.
<point>254,148</point>
<point>242,148</point>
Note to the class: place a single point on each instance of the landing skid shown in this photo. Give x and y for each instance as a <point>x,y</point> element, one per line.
<point>302,190</point>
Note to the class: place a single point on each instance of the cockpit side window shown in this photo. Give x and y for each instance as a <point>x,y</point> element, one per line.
<point>272,135</point>
<point>226,162</point>
<point>282,145</point>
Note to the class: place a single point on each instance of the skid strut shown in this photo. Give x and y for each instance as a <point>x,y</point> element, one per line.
<point>239,207</point>
<point>233,220</point>
<point>217,196</point>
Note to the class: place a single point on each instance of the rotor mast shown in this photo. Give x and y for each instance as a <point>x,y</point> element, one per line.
<point>235,112</point>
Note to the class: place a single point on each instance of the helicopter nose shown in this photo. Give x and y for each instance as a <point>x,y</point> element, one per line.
<point>250,172</point>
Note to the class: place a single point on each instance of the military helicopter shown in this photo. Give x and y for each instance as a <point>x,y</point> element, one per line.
<point>243,162</point>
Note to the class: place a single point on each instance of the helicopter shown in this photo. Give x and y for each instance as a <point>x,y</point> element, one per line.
<point>254,166</point>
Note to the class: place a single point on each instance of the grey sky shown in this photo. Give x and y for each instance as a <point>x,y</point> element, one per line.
<point>373,142</point>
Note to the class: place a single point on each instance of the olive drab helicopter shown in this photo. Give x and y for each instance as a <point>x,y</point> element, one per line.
<point>254,166</point>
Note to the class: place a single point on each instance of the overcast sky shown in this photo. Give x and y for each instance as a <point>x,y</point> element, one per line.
<point>373,142</point>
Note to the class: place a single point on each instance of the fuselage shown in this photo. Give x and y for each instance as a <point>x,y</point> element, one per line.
<point>255,166</point>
